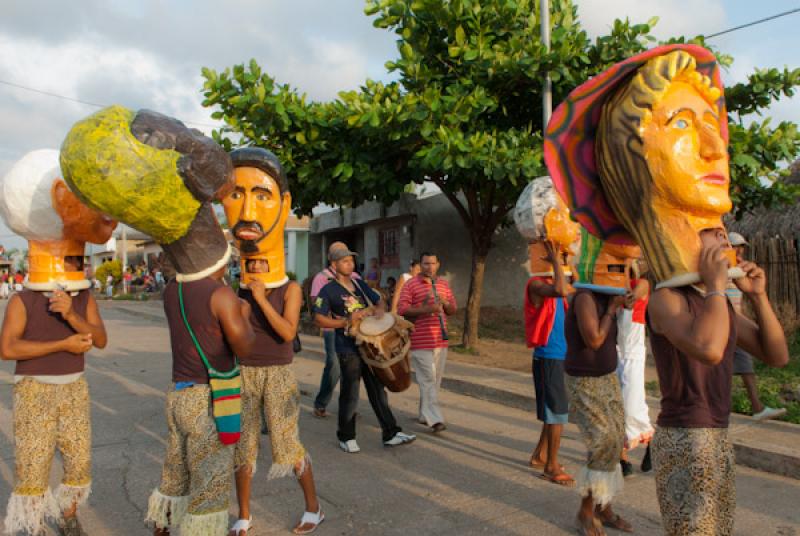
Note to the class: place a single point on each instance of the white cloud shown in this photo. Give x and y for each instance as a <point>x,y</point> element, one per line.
<point>676,17</point>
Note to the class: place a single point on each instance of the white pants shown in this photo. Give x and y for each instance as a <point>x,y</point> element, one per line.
<point>630,369</point>
<point>429,367</point>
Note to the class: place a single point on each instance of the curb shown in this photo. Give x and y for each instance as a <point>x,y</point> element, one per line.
<point>747,454</point>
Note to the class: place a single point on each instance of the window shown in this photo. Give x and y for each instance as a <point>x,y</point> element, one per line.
<point>389,247</point>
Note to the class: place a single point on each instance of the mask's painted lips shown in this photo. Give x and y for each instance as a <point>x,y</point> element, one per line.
<point>716,178</point>
<point>247,234</point>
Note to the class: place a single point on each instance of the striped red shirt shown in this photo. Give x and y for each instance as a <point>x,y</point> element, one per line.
<point>418,292</point>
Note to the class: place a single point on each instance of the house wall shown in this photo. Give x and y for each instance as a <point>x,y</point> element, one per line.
<point>430,224</point>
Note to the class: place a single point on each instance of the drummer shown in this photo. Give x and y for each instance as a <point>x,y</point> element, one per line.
<point>339,302</point>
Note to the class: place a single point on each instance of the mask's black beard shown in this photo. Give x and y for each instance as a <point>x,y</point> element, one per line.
<point>248,246</point>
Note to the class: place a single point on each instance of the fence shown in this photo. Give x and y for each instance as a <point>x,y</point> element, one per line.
<point>781,262</point>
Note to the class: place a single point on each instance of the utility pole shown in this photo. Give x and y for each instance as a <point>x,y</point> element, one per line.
<point>547,91</point>
<point>124,257</point>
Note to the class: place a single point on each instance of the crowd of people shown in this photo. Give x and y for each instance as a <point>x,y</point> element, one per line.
<point>11,282</point>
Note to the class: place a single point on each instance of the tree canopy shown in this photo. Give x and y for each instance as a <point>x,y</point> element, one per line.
<point>465,113</point>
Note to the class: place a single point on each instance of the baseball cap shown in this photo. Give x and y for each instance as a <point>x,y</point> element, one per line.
<point>736,239</point>
<point>339,254</point>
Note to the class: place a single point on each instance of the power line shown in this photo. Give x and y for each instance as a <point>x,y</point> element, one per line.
<point>79,101</point>
<point>773,17</point>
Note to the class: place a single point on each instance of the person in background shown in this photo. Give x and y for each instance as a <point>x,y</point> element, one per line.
<point>545,308</point>
<point>742,360</point>
<point>427,301</point>
<point>632,351</point>
<point>374,275</point>
<point>388,291</point>
<point>413,271</point>
<point>340,302</point>
<point>331,372</point>
<point>4,288</point>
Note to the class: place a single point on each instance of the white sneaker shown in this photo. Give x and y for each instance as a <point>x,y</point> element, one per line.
<point>399,439</point>
<point>350,446</point>
<point>769,413</point>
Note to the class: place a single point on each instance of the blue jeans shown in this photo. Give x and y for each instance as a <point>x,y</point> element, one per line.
<point>331,373</point>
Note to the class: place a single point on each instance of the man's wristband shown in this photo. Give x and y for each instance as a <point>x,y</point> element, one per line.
<point>715,293</point>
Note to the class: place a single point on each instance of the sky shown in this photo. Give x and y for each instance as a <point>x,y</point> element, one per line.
<point>148,54</point>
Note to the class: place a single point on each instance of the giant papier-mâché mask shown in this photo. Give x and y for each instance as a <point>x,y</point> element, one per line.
<point>540,215</point>
<point>156,175</point>
<point>639,154</point>
<point>37,204</point>
<point>257,210</point>
<point>605,267</point>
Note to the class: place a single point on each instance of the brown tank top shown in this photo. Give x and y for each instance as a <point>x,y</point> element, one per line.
<point>694,394</point>
<point>581,359</point>
<point>270,349</point>
<point>43,326</point>
<point>187,366</point>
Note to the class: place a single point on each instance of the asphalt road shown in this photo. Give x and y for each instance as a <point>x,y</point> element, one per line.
<point>471,479</point>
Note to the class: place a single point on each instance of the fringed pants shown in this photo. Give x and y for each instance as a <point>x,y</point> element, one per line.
<point>271,390</point>
<point>596,408</point>
<point>49,417</point>
<point>198,469</point>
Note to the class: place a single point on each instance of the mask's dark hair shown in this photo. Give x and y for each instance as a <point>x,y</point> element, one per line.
<point>264,160</point>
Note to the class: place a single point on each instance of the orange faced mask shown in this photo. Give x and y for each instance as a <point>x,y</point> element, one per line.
<point>541,215</point>
<point>257,210</point>
<point>605,267</point>
<point>38,205</point>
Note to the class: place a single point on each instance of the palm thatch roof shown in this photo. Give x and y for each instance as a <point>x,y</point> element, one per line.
<point>779,221</point>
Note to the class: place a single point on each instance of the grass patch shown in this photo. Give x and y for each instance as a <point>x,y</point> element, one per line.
<point>460,349</point>
<point>652,388</point>
<point>777,388</point>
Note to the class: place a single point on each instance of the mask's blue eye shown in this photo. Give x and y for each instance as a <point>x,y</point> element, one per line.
<point>682,124</point>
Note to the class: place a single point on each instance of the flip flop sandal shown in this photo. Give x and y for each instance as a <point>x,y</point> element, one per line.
<point>310,518</point>
<point>562,479</point>
<point>617,523</point>
<point>540,466</point>
<point>584,531</point>
<point>241,525</point>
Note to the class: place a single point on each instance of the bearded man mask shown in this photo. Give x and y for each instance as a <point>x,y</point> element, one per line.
<point>257,210</point>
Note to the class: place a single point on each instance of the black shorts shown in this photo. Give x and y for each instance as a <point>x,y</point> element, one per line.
<point>552,404</point>
<point>742,362</point>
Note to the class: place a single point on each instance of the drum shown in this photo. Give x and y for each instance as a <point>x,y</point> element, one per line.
<point>384,345</point>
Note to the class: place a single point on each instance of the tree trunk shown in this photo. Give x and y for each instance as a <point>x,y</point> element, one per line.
<point>473,312</point>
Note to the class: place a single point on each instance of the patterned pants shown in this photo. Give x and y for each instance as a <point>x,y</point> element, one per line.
<point>198,469</point>
<point>596,408</point>
<point>695,480</point>
<point>271,390</point>
<point>49,417</point>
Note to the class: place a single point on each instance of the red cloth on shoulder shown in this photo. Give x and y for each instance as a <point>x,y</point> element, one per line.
<point>539,320</point>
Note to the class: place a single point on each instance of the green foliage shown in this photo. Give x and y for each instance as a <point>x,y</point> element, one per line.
<point>109,267</point>
<point>464,112</point>
<point>777,388</point>
<point>292,276</point>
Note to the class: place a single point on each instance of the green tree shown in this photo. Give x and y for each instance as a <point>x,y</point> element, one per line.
<point>464,114</point>
<point>114,268</point>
